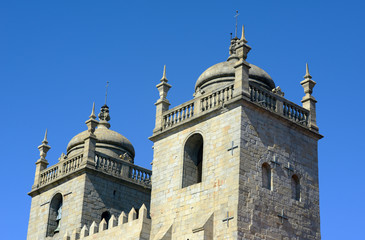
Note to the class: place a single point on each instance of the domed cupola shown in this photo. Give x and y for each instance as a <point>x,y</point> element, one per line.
<point>108,142</point>
<point>223,74</point>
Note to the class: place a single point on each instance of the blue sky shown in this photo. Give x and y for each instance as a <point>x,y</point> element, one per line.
<point>56,56</point>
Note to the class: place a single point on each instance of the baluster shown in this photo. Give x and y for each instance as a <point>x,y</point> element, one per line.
<point>184,113</point>
<point>206,103</point>
<point>139,175</point>
<point>210,101</point>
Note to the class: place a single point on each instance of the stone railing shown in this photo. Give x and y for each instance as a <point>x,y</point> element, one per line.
<point>216,98</point>
<point>178,114</point>
<point>60,169</point>
<point>278,104</point>
<point>122,169</point>
<point>200,104</point>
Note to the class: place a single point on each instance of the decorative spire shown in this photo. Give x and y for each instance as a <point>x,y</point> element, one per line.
<point>164,79</point>
<point>44,147</point>
<point>243,38</point>
<point>45,137</point>
<point>307,75</point>
<point>104,117</point>
<point>93,116</point>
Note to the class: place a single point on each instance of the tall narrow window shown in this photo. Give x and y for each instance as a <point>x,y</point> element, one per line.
<point>193,160</point>
<point>295,187</point>
<point>55,215</point>
<point>266,176</point>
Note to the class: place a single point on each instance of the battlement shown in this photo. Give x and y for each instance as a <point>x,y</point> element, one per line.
<point>134,226</point>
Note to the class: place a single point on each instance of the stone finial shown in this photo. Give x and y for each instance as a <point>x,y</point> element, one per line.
<point>104,117</point>
<point>307,75</point>
<point>122,218</point>
<point>92,123</point>
<point>103,225</point>
<point>93,228</point>
<point>163,87</point>
<point>243,38</point>
<point>62,157</point>
<point>93,116</point>
<point>162,103</point>
<point>308,84</point>
<point>84,232</point>
<point>132,215</point>
<point>44,147</point>
<point>164,79</point>
<point>112,222</point>
<point>308,101</point>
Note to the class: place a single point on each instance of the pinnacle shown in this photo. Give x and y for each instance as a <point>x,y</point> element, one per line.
<point>307,75</point>
<point>243,38</point>
<point>93,116</point>
<point>45,137</point>
<point>164,79</point>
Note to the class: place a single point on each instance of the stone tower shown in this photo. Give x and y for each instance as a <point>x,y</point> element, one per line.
<point>238,161</point>
<point>91,186</point>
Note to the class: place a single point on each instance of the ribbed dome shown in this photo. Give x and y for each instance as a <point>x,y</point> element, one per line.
<point>106,140</point>
<point>222,73</point>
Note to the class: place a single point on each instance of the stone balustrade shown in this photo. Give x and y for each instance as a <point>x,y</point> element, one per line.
<point>123,169</point>
<point>278,104</point>
<point>107,165</point>
<point>259,95</point>
<point>217,98</point>
<point>178,114</point>
<point>59,169</point>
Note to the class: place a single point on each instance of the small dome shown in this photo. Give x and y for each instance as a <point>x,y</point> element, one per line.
<point>108,142</point>
<point>222,73</point>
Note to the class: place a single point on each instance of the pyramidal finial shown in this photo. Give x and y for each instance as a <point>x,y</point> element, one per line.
<point>307,75</point>
<point>243,38</point>
<point>93,116</point>
<point>45,137</point>
<point>164,79</point>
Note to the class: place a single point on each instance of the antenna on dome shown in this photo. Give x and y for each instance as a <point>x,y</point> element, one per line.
<point>106,91</point>
<point>236,16</point>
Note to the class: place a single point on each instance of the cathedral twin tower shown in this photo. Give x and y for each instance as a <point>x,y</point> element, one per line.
<point>238,161</point>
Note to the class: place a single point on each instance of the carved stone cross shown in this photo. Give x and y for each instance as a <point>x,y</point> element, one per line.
<point>227,219</point>
<point>232,148</point>
<point>275,162</point>
<point>289,168</point>
<point>282,216</point>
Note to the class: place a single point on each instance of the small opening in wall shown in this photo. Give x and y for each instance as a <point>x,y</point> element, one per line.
<point>106,215</point>
<point>114,193</point>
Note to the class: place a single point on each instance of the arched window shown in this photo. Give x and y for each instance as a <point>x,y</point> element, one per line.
<point>55,215</point>
<point>295,187</point>
<point>193,160</point>
<point>106,215</point>
<point>266,176</point>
